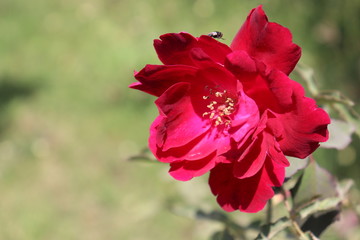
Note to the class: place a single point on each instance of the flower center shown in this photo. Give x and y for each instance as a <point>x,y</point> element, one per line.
<point>220,106</point>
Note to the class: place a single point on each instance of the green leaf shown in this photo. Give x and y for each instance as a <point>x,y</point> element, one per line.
<point>321,214</point>
<point>340,134</point>
<point>296,164</point>
<point>213,215</point>
<point>319,206</point>
<point>269,231</point>
<point>316,183</point>
<point>222,235</point>
<point>344,187</point>
<point>349,115</point>
<point>144,156</point>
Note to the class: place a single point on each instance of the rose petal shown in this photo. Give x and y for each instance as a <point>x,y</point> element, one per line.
<point>187,151</point>
<point>271,91</point>
<point>156,79</point>
<point>255,150</point>
<point>245,118</point>
<point>249,194</point>
<point>213,48</point>
<point>186,170</point>
<point>180,124</point>
<point>241,65</point>
<point>268,42</point>
<point>304,127</point>
<point>173,48</point>
<point>252,159</point>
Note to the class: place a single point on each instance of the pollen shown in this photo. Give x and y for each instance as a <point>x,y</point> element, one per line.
<point>220,107</point>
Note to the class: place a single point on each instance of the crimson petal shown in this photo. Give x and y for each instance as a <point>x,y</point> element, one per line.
<point>268,42</point>
<point>186,170</point>
<point>304,127</point>
<point>215,49</point>
<point>249,194</point>
<point>156,79</point>
<point>180,124</point>
<point>173,48</point>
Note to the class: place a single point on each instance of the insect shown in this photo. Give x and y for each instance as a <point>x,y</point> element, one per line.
<point>216,35</point>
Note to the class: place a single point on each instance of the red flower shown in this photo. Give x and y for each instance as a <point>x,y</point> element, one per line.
<point>232,111</point>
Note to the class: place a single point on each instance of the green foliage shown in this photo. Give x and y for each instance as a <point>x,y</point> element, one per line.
<point>315,184</point>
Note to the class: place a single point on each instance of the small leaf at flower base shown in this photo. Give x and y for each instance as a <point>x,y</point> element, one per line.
<point>269,231</point>
<point>316,183</point>
<point>222,235</point>
<point>296,164</point>
<point>340,134</point>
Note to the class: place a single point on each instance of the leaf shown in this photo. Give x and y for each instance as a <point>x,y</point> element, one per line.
<point>269,231</point>
<point>307,74</point>
<point>213,215</point>
<point>344,187</point>
<point>317,223</point>
<point>296,164</point>
<point>220,217</point>
<point>321,214</point>
<point>196,213</point>
<point>320,206</point>
<point>222,235</point>
<point>339,134</point>
<point>316,183</point>
<point>334,99</point>
<point>317,202</point>
<point>145,156</point>
<point>349,115</point>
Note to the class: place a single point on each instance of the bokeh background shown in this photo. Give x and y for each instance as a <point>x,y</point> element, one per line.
<point>69,123</point>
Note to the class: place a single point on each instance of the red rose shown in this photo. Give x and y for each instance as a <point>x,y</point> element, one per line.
<point>232,111</point>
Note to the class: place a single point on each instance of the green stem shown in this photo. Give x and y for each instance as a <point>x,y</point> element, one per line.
<point>292,217</point>
<point>269,212</point>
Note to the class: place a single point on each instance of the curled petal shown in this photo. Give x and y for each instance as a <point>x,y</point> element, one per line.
<point>241,65</point>
<point>174,48</point>
<point>260,145</point>
<point>245,119</point>
<point>268,42</point>
<point>201,59</point>
<point>156,79</point>
<point>213,48</point>
<point>193,150</point>
<point>180,124</point>
<point>304,127</point>
<point>186,170</point>
<point>249,194</point>
<point>252,159</point>
<point>271,91</point>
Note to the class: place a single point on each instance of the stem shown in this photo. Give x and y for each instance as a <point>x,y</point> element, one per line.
<point>269,212</point>
<point>292,216</point>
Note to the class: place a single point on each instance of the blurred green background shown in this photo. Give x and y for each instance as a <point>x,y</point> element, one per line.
<point>68,122</point>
